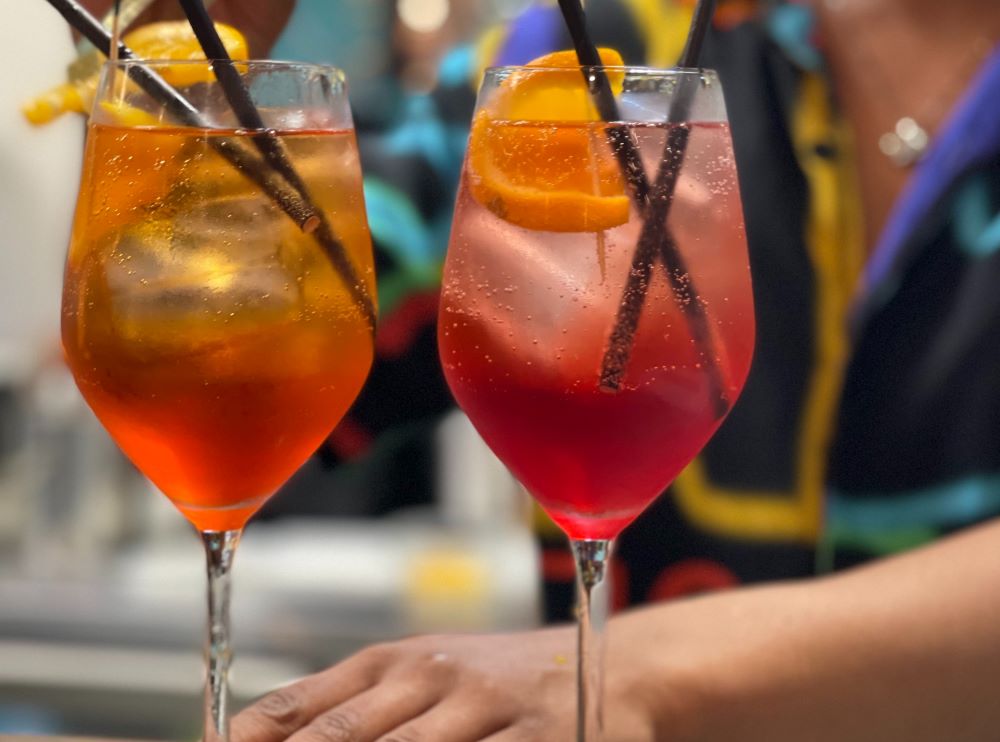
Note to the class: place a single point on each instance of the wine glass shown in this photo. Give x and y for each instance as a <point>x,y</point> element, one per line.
<point>218,303</point>
<point>596,319</point>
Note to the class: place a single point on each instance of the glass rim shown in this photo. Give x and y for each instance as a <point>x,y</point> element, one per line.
<point>330,69</point>
<point>625,68</point>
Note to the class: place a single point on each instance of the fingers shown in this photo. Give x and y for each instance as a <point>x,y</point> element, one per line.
<point>427,690</point>
<point>368,716</point>
<point>456,719</point>
<point>368,695</point>
<point>278,715</point>
<point>524,732</point>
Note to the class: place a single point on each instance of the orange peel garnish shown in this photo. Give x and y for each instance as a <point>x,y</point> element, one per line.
<point>538,155</point>
<point>172,40</point>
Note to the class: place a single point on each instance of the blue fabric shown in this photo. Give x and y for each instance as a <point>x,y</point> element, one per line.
<point>531,34</point>
<point>397,226</point>
<point>422,132</point>
<point>456,66</point>
<point>949,505</point>
<point>791,27</point>
<point>340,32</point>
<point>977,219</point>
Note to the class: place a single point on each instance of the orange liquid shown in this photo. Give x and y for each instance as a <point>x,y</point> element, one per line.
<point>209,334</point>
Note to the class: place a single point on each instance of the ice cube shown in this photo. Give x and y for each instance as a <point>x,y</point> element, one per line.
<point>548,297</point>
<point>213,263</point>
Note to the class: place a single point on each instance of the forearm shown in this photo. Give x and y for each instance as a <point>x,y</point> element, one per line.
<point>907,649</point>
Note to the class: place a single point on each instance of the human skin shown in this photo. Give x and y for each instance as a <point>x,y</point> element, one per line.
<point>905,649</point>
<point>887,59</point>
<point>260,21</point>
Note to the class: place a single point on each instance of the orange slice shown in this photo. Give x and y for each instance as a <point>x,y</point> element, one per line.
<point>123,114</point>
<point>176,41</point>
<point>163,40</point>
<point>538,155</point>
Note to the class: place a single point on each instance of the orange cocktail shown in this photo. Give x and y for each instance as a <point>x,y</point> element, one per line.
<point>218,304</point>
<point>207,331</point>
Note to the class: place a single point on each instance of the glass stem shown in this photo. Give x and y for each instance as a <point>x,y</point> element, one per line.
<point>591,557</point>
<point>220,548</point>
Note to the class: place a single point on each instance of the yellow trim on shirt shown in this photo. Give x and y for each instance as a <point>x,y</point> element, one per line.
<point>834,239</point>
<point>664,26</point>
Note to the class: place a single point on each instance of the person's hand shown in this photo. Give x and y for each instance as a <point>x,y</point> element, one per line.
<point>260,21</point>
<point>501,688</point>
<point>868,655</point>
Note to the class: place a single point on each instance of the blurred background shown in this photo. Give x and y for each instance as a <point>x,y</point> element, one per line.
<point>402,523</point>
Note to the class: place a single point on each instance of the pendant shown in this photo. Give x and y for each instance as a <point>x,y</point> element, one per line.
<point>906,144</point>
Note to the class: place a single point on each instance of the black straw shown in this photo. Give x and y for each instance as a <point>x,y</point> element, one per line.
<point>700,22</point>
<point>655,237</point>
<point>266,141</point>
<point>237,94</point>
<point>295,204</point>
<point>621,141</point>
<point>89,27</point>
<point>656,240</point>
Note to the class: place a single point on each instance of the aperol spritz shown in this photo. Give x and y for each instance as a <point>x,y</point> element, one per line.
<point>218,305</point>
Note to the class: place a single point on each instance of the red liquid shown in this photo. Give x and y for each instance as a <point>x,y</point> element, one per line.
<point>524,325</point>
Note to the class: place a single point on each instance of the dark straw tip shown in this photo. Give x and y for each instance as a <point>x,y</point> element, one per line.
<point>576,23</point>
<point>701,20</point>
<point>655,241</point>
